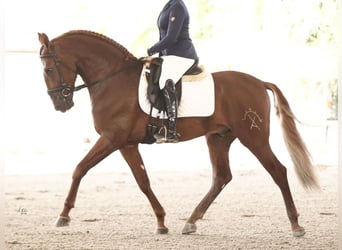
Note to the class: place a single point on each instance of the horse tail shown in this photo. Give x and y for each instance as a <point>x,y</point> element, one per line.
<point>293,141</point>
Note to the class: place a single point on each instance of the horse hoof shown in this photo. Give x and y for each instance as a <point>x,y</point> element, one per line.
<point>298,232</point>
<point>162,230</point>
<point>189,228</point>
<point>62,221</point>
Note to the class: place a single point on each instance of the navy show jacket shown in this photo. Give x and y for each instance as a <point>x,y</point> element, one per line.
<point>174,38</point>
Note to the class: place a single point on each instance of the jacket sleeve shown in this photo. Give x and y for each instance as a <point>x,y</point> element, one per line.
<point>176,20</point>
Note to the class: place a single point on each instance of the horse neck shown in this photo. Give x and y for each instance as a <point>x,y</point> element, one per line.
<point>101,61</point>
<point>95,59</point>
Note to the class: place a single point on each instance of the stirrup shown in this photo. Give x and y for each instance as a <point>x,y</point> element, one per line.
<point>161,136</point>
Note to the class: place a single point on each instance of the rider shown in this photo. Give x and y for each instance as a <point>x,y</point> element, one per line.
<point>173,24</point>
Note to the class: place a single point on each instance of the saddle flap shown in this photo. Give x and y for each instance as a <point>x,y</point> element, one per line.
<point>197,99</point>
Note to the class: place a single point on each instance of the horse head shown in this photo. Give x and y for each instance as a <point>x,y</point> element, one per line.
<point>59,75</point>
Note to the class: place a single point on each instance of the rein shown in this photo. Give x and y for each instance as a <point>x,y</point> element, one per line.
<point>65,88</point>
<point>88,85</point>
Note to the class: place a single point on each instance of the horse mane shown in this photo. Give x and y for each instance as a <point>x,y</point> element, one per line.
<point>97,36</point>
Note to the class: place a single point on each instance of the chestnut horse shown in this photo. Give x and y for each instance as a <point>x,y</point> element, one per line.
<point>111,74</point>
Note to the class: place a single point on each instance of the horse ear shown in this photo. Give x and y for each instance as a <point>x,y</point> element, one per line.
<point>43,39</point>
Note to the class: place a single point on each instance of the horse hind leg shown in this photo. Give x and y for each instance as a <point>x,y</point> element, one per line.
<point>218,150</point>
<point>279,174</point>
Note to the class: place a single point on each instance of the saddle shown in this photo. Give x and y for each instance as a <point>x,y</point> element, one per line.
<point>153,67</point>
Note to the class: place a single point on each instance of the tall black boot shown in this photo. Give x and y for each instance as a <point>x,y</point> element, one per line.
<point>171,102</point>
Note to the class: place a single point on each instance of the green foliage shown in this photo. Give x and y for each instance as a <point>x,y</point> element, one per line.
<point>307,29</point>
<point>206,9</point>
<point>311,22</point>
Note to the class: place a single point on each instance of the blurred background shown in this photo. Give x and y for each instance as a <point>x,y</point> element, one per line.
<point>288,42</point>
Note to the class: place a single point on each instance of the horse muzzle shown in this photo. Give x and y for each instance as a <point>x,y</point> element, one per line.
<point>62,97</point>
<point>62,103</point>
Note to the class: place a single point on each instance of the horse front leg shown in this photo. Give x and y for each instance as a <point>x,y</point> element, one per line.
<point>133,158</point>
<point>102,148</point>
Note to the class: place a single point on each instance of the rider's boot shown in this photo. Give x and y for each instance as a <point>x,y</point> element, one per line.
<point>171,102</point>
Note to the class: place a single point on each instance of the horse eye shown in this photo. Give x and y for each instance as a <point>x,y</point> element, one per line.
<point>48,71</point>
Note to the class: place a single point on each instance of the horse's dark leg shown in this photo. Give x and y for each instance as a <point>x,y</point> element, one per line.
<point>278,172</point>
<point>134,160</point>
<point>218,149</point>
<point>100,150</point>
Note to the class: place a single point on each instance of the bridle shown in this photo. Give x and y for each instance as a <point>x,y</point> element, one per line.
<point>67,89</point>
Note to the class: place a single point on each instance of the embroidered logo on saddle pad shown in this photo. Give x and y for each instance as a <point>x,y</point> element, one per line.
<point>198,96</point>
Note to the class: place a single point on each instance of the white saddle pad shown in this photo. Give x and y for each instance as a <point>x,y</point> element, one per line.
<point>198,97</point>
